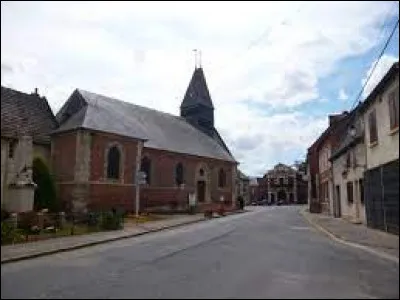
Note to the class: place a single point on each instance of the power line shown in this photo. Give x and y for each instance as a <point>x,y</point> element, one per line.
<point>376,63</point>
<point>254,42</point>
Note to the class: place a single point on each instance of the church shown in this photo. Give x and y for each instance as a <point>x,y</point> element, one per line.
<point>102,143</point>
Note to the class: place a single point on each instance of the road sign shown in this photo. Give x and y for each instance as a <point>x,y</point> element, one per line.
<point>142,178</point>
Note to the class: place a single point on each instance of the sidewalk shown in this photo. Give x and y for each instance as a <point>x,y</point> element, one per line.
<point>10,253</point>
<point>34,249</point>
<point>360,234</point>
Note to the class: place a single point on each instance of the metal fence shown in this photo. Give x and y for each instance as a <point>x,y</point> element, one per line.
<point>382,197</point>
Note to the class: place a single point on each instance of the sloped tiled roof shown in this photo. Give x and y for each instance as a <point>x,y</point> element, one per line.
<point>242,176</point>
<point>160,130</point>
<point>23,113</point>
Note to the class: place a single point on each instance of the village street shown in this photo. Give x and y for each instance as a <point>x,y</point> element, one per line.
<point>268,252</point>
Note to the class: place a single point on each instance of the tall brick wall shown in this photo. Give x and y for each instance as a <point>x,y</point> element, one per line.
<point>163,186</point>
<point>107,196</point>
<point>64,156</point>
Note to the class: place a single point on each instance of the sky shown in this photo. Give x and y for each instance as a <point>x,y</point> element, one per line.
<point>275,70</point>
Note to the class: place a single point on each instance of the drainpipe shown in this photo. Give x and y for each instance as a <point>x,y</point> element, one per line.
<point>357,221</point>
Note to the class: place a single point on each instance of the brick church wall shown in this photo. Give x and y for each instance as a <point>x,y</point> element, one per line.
<point>74,152</point>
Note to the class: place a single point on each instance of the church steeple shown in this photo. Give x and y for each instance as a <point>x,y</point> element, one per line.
<point>197,107</point>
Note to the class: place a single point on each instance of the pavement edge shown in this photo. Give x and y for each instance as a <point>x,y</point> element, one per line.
<point>76,247</point>
<point>348,243</point>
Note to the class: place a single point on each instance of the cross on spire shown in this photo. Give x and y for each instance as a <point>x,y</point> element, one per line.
<point>197,58</point>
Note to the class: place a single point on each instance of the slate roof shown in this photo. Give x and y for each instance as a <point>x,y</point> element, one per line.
<point>197,91</point>
<point>160,130</point>
<point>242,176</point>
<point>23,113</point>
<point>381,86</point>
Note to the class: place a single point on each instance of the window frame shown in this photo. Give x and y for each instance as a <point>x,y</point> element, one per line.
<point>372,127</point>
<point>350,192</point>
<point>393,105</point>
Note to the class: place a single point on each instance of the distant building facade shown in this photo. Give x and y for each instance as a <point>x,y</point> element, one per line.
<point>285,185</point>
<point>243,186</point>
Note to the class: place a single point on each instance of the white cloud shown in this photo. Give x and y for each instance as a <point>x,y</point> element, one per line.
<point>381,69</point>
<point>342,95</point>
<point>142,52</point>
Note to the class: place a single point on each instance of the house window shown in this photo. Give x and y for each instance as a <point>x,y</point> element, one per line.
<point>394,109</point>
<point>179,174</point>
<point>373,132</point>
<point>348,160</point>
<point>281,181</point>
<point>113,163</point>
<point>361,187</point>
<point>350,192</point>
<point>145,167</point>
<point>11,148</point>
<point>221,178</point>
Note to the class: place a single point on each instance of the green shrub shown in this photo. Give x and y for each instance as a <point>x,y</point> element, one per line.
<point>9,234</point>
<point>111,221</point>
<point>93,219</point>
<point>45,192</point>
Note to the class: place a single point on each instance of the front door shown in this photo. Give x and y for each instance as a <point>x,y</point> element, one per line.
<point>282,196</point>
<point>201,191</point>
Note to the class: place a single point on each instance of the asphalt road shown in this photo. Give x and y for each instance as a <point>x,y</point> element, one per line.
<point>270,252</point>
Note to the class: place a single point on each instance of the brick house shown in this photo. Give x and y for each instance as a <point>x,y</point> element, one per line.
<point>102,143</point>
<point>320,176</point>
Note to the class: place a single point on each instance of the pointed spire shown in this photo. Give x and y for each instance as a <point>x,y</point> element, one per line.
<point>197,92</point>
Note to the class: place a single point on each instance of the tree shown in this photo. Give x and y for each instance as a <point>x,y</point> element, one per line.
<point>45,192</point>
<point>300,166</point>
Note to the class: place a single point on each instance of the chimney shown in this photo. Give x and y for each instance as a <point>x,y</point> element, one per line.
<point>36,91</point>
<point>334,118</point>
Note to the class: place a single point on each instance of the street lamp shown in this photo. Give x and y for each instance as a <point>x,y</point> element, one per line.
<point>352,131</point>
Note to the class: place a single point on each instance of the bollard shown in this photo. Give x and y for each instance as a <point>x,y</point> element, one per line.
<point>61,219</point>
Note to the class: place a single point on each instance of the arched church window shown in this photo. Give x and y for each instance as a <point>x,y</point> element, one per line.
<point>113,163</point>
<point>179,174</point>
<point>221,178</point>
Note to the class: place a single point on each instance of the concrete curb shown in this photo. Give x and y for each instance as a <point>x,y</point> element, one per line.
<point>348,243</point>
<point>89,244</point>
